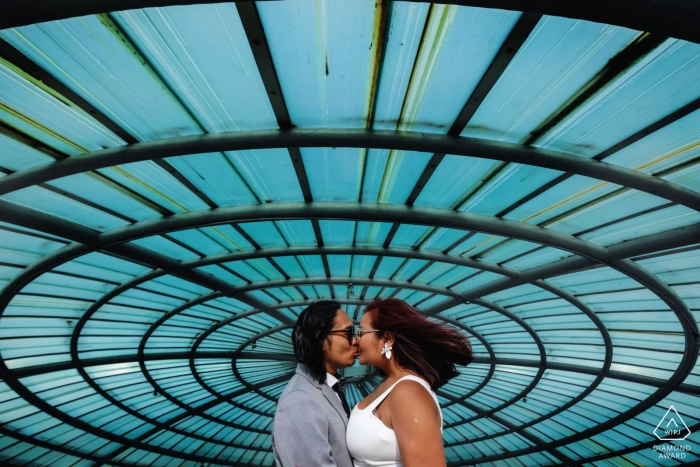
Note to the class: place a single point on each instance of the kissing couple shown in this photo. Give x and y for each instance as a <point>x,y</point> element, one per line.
<point>400,422</point>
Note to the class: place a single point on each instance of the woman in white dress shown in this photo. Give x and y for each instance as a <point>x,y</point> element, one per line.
<point>400,423</point>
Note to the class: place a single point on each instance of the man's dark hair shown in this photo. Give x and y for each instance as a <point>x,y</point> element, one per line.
<point>310,332</point>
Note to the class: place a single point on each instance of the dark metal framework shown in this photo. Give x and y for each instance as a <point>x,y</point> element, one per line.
<point>674,19</point>
<point>541,366</point>
<point>380,139</point>
<point>527,276</point>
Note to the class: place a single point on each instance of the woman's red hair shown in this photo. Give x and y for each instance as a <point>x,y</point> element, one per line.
<point>430,349</point>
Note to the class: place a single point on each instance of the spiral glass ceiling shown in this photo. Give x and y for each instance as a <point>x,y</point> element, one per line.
<point>179,182</point>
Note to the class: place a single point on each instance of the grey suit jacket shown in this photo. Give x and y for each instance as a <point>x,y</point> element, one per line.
<point>309,425</point>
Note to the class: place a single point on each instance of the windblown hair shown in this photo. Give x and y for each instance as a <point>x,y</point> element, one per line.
<point>310,332</point>
<point>430,349</point>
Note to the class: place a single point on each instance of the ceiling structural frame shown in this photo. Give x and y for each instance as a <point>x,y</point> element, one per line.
<point>194,354</point>
<point>378,139</point>
<point>674,18</point>
<point>541,370</point>
<point>620,257</point>
<point>81,249</point>
<point>143,356</point>
<point>257,40</point>
<point>541,366</point>
<point>506,52</point>
<point>349,211</point>
<point>424,216</point>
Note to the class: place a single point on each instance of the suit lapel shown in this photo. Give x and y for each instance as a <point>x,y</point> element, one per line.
<point>325,389</point>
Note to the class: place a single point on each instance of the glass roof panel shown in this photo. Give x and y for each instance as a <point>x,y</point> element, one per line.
<point>553,62</point>
<point>46,116</point>
<point>646,82</point>
<point>44,200</point>
<point>154,183</point>
<point>173,346</point>
<point>223,91</point>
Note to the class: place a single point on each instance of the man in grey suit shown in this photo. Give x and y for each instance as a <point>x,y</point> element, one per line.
<point>312,413</point>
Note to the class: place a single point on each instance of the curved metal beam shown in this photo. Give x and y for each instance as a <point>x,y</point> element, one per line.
<point>417,215</point>
<point>353,251</point>
<point>345,280</point>
<point>481,413</point>
<point>690,356</point>
<point>53,411</point>
<point>489,349</point>
<point>89,241</point>
<point>240,348</point>
<point>607,340</point>
<point>619,375</point>
<point>355,138</point>
<point>678,306</point>
<point>606,363</point>
<point>542,362</point>
<point>674,18</point>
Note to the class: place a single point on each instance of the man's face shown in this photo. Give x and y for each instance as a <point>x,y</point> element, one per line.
<point>338,351</point>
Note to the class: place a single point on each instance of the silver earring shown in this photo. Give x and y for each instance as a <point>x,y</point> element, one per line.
<point>386,351</point>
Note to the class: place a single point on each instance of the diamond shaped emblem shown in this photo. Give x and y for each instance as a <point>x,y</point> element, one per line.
<point>671,427</point>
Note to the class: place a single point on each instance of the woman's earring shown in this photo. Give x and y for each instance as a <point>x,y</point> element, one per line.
<point>387,350</point>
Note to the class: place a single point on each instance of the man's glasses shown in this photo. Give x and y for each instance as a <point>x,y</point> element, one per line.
<point>348,332</point>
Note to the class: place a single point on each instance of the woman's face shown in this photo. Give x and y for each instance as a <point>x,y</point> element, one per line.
<point>370,344</point>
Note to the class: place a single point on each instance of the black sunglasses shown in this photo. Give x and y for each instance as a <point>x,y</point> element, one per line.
<point>348,332</point>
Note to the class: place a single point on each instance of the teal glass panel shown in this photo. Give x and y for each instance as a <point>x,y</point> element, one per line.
<point>508,250</point>
<point>371,233</point>
<point>214,176</point>
<point>297,233</point>
<point>43,114</point>
<point>337,232</point>
<point>536,258</point>
<point>94,57</point>
<point>162,245</point>
<point>476,280</point>
<point>324,165</point>
<point>41,199</point>
<point>556,52</point>
<point>156,185</point>
<point>324,57</point>
<point>339,265</point>
<point>388,267</point>
<point>183,44</point>
<point>14,155</point>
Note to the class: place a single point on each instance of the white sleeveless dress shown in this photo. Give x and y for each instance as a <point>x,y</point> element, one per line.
<point>370,442</point>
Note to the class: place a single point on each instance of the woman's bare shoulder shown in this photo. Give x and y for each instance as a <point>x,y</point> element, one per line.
<point>412,395</point>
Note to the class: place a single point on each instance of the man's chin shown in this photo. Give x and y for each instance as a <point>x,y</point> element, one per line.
<point>350,362</point>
